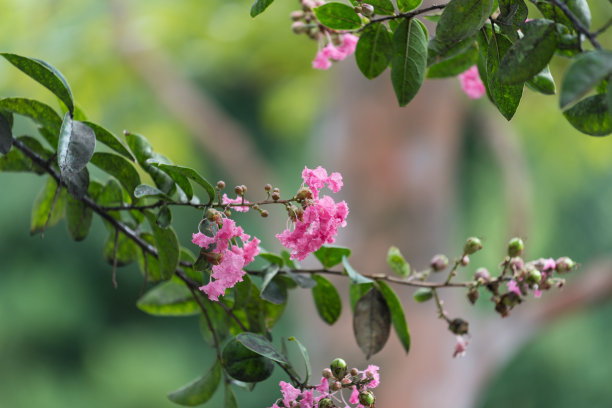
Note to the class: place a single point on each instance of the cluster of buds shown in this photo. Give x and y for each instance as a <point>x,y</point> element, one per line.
<point>329,393</point>
<point>304,20</point>
<point>240,203</point>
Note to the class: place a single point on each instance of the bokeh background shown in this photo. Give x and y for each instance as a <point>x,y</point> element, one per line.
<point>236,98</point>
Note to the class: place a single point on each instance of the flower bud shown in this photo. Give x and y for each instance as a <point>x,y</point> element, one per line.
<point>482,274</point>
<point>238,190</point>
<point>439,263</point>
<point>472,245</point>
<point>299,27</point>
<point>213,258</point>
<point>354,371</point>
<point>337,385</point>
<point>465,261</point>
<point>458,326</point>
<point>276,190</point>
<point>211,213</point>
<point>366,398</point>
<point>303,193</point>
<point>565,264</point>
<point>326,403</point>
<point>227,212</point>
<point>244,188</point>
<point>358,9</point>
<point>534,276</point>
<point>268,187</point>
<point>346,381</point>
<point>516,264</point>
<point>515,247</point>
<point>338,368</point>
<point>264,213</point>
<point>502,309</point>
<point>297,15</point>
<point>256,207</point>
<point>327,373</point>
<point>473,295</point>
<point>367,9</point>
<point>275,196</point>
<point>220,184</point>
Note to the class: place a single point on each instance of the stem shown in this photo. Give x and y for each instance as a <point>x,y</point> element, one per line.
<point>453,271</point>
<point>403,15</point>
<point>577,24</point>
<point>197,206</point>
<point>441,312</point>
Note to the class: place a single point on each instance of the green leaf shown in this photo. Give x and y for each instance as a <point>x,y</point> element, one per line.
<point>6,135</point>
<point>409,61</point>
<point>397,314</point>
<point>374,50</point>
<point>42,207</point>
<point>127,250</point>
<point>326,299</point>
<point>303,281</point>
<point>40,113</point>
<point>371,322</point>
<point>543,82</point>
<point>176,172</point>
<point>143,151</point>
<point>244,364</point>
<point>579,8</point>
<point>356,291</point>
<point>78,218</point>
<point>230,400</point>
<point>330,255</point>
<point>45,74</point>
<point>408,5</point>
<point>381,7</point>
<point>529,55</point>
<point>587,70</point>
<point>119,168</point>
<point>8,116</point>
<point>259,6</point>
<point>77,183</point>
<point>164,217</point>
<point>505,96</point>
<point>262,346</point>
<point>455,65</point>
<point>271,258</point>
<point>75,146</point>
<point>305,357</point>
<point>353,275</point>
<point>167,246</point>
<point>396,261</point>
<point>144,190</point>
<point>591,116</point>
<point>275,291</point>
<point>110,140</point>
<point>170,298</point>
<point>422,295</point>
<point>462,19</point>
<point>199,390</point>
<point>338,16</point>
<point>512,13</point>
<point>152,265</point>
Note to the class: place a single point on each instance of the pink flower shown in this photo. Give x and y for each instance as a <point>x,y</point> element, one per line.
<point>471,83</point>
<point>513,287</point>
<point>349,43</point>
<point>537,293</point>
<point>373,371</point>
<point>290,393</point>
<point>460,346</point>
<point>354,396</point>
<point>321,61</point>
<point>237,200</point>
<point>229,270</point>
<point>331,52</point>
<point>307,399</point>
<point>323,388</point>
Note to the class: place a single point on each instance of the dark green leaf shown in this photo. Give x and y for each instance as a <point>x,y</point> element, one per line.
<point>423,295</point>
<point>40,113</point>
<point>505,97</point>
<point>371,322</point>
<point>78,218</point>
<point>330,255</point>
<point>16,161</point>
<point>75,147</point>
<point>353,275</point>
<point>244,364</point>
<point>584,74</point>
<point>338,16</point>
<point>455,65</point>
<point>326,299</point>
<point>382,7</point>
<point>302,280</point>
<point>143,151</point>
<point>269,274</point>
<point>397,314</point>
<point>77,183</point>
<point>356,291</point>
<point>42,207</point>
<point>579,8</point>
<point>259,6</point>
<point>178,172</point>
<point>45,74</point>
<point>529,55</point>
<point>164,217</point>
<point>170,298</point>
<point>152,264</point>
<point>230,400</point>
<point>409,61</point>
<point>462,19</point>
<point>408,5</point>
<point>512,13</point>
<point>119,168</point>
<point>167,245</point>
<point>144,190</point>
<point>6,135</point>
<point>396,261</point>
<point>275,291</point>
<point>127,250</point>
<point>591,116</point>
<point>305,357</point>
<point>8,116</point>
<point>288,261</point>
<point>543,82</point>
<point>110,140</point>
<point>262,346</point>
<point>438,52</point>
<point>374,50</point>
<point>199,390</point>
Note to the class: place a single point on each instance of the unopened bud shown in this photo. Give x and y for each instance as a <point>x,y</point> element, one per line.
<point>482,274</point>
<point>276,190</point>
<point>268,187</point>
<point>465,261</point>
<point>238,190</point>
<point>439,263</point>
<point>534,276</point>
<point>299,27</point>
<point>213,258</point>
<point>473,295</point>
<point>565,264</point>
<point>337,385</point>
<point>358,9</point>
<point>366,398</point>
<point>346,381</point>
<point>297,15</point>
<point>354,371</point>
<point>303,193</point>
<point>327,373</point>
<point>227,212</point>
<point>515,247</point>
<point>211,213</point>
<point>338,368</point>
<point>502,309</point>
<point>326,403</point>
<point>220,184</point>
<point>264,213</point>
<point>472,245</point>
<point>256,207</point>
<point>458,326</point>
<point>244,188</point>
<point>275,196</point>
<point>367,9</point>
<point>517,263</point>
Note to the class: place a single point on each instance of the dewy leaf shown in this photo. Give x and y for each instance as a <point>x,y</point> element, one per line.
<point>40,113</point>
<point>45,74</point>
<point>110,140</point>
<point>371,322</point>
<point>374,50</point>
<point>326,299</point>
<point>78,218</point>
<point>408,5</point>
<point>529,55</point>
<point>455,65</point>
<point>511,14</point>
<point>396,261</point>
<point>505,96</point>
<point>262,346</point>
<point>591,116</point>
<point>330,255</point>
<point>587,70</point>
<point>75,146</point>
<point>397,314</point>
<point>543,82</point>
<point>338,16</point>
<point>259,6</point>
<point>409,60</point>
<point>119,168</point>
<point>462,19</point>
<point>6,135</point>
<point>354,276</point>
<point>42,206</point>
<point>199,390</point>
<point>175,171</point>
<point>170,298</point>
<point>275,291</point>
<point>244,364</point>
<point>167,245</point>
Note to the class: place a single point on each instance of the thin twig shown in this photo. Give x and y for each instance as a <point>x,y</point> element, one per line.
<point>403,15</point>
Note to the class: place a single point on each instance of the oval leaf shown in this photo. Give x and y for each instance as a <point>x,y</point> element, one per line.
<point>462,19</point>
<point>40,113</point>
<point>110,140</point>
<point>409,60</point>
<point>177,172</point>
<point>330,255</point>
<point>408,5</point>
<point>326,299</point>
<point>78,218</point>
<point>371,322</point>
<point>170,298</point>
<point>543,82</point>
<point>119,168</point>
<point>244,364</point>
<point>374,50</point>
<point>259,6</point>
<point>397,314</point>
<point>43,204</point>
<point>199,390</point>
<point>262,346</point>
<point>506,97</point>
<point>229,400</point>
<point>75,146</point>
<point>587,70</point>
<point>356,291</point>
<point>338,16</point>
<point>455,65</point>
<point>167,246</point>
<point>396,261</point>
<point>423,295</point>
<point>591,116</point>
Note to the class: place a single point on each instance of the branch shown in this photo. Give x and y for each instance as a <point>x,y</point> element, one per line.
<point>577,24</point>
<point>403,15</point>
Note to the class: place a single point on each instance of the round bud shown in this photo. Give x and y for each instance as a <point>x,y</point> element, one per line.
<point>515,247</point>
<point>366,398</point>
<point>354,371</point>
<point>358,9</point>
<point>346,381</point>
<point>338,368</point>
<point>565,264</point>
<point>439,263</point>
<point>298,27</point>
<point>326,403</point>
<point>465,261</point>
<point>473,295</point>
<point>244,188</point>
<point>264,213</point>
<point>276,190</point>
<point>256,207</point>
<point>297,15</point>
<point>327,373</point>
<point>458,326</point>
<point>337,385</point>
<point>275,196</point>
<point>268,187</point>
<point>303,194</point>
<point>227,212</point>
<point>220,184</point>
<point>534,275</point>
<point>211,213</point>
<point>238,190</point>
<point>517,263</point>
<point>367,9</point>
<point>482,274</point>
<point>472,245</point>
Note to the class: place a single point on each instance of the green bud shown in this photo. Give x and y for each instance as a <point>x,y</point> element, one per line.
<point>458,326</point>
<point>423,295</point>
<point>472,245</point>
<point>326,403</point>
<point>565,264</point>
<point>367,9</point>
<point>534,276</point>
<point>366,398</point>
<point>338,368</point>
<point>515,247</point>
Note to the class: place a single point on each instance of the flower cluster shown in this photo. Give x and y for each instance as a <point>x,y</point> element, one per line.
<point>316,221</point>
<point>346,47</point>
<point>471,83</point>
<point>228,259</point>
<point>329,393</point>
<point>537,275</point>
